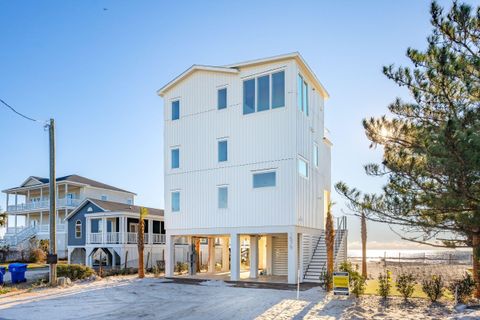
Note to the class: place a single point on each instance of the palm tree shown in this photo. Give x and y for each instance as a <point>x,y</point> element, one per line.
<point>141,241</point>
<point>363,231</point>
<point>330,244</point>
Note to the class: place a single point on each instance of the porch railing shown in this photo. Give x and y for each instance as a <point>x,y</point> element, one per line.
<point>45,228</point>
<point>113,237</point>
<point>44,204</point>
<point>158,238</point>
<point>96,237</point>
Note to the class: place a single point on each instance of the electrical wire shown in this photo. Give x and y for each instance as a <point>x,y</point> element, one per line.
<point>18,113</point>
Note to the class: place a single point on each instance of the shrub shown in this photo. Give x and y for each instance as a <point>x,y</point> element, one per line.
<point>181,267</point>
<point>326,280</point>
<point>464,287</point>
<point>44,244</point>
<point>405,284</point>
<point>433,288</point>
<point>37,255</point>
<point>357,281</point>
<point>384,285</point>
<point>74,271</point>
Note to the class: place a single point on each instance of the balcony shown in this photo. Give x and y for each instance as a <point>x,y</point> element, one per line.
<point>43,205</point>
<point>127,237</point>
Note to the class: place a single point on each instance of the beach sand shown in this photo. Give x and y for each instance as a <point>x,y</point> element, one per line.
<point>420,270</point>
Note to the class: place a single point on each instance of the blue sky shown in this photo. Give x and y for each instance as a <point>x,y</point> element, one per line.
<point>96,72</point>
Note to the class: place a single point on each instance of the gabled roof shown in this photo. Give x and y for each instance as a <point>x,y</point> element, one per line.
<point>73,178</point>
<point>110,206</point>
<point>233,68</point>
<point>191,70</point>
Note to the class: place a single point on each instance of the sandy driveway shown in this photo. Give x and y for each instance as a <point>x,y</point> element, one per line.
<point>150,298</point>
<point>130,298</point>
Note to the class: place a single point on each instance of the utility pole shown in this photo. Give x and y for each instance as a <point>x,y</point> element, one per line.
<point>52,257</point>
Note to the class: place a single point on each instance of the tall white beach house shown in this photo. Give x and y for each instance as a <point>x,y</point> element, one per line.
<point>247,166</point>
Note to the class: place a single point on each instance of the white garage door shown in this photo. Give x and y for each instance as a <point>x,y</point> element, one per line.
<point>280,256</point>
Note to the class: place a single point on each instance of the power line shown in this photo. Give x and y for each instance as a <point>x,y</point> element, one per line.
<point>20,114</point>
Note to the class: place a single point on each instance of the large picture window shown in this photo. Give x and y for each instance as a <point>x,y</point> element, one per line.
<point>263,95</point>
<point>264,92</point>
<point>278,89</point>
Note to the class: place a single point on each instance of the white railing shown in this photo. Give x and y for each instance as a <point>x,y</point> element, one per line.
<point>158,238</point>
<point>45,204</point>
<point>131,237</point>
<point>45,228</point>
<point>96,237</point>
<point>113,237</point>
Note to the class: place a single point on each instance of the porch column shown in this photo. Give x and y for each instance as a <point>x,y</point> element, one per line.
<point>261,253</point>
<point>235,257</point>
<point>170,258</point>
<point>254,256</point>
<point>125,229</point>
<point>225,254</point>
<point>300,255</point>
<point>41,196</point>
<point>66,193</point>
<point>120,230</point>
<point>16,203</point>
<point>292,257</point>
<point>69,252</point>
<point>7,201</point>
<point>211,254</point>
<point>87,230</point>
<point>104,230</point>
<point>268,260</point>
<point>27,222</point>
<point>150,231</point>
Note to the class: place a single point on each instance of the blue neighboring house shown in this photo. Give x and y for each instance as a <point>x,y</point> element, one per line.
<point>108,231</point>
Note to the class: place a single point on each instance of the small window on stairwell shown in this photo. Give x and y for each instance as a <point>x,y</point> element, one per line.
<point>103,198</point>
<point>78,229</point>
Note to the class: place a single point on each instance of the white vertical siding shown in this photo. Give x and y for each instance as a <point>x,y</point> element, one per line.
<point>270,139</point>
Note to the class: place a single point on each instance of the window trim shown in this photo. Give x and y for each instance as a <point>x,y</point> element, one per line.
<point>219,140</point>
<point>223,186</point>
<point>171,109</point>
<point>172,149</point>
<point>262,172</point>
<point>218,97</point>
<point>78,223</point>
<point>300,158</point>
<point>179,200</point>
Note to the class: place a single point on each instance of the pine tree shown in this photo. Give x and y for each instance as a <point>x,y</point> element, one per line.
<point>431,146</point>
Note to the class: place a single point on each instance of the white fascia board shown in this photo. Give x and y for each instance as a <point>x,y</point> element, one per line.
<point>161,92</point>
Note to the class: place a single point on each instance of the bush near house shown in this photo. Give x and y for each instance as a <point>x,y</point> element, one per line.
<point>384,285</point>
<point>181,267</point>
<point>464,288</point>
<point>433,288</point>
<point>37,255</point>
<point>357,281</point>
<point>406,285</point>
<point>74,271</point>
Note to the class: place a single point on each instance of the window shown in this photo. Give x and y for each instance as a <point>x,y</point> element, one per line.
<point>222,98</point>
<point>315,155</point>
<point>78,229</point>
<point>265,179</point>
<point>222,197</point>
<point>303,168</point>
<point>175,110</point>
<point>133,227</point>
<point>248,96</point>
<point>278,89</point>
<point>302,95</point>
<point>305,97</point>
<point>175,158</point>
<point>103,198</point>
<point>222,150</point>
<point>263,94</point>
<point>129,201</point>
<point>176,201</point>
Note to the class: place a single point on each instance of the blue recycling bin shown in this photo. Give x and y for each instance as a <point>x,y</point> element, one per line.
<point>17,270</point>
<point>3,270</point>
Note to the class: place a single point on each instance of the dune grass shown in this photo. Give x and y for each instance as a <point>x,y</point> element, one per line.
<point>372,287</point>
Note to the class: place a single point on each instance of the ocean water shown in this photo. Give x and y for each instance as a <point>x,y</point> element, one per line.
<point>427,256</point>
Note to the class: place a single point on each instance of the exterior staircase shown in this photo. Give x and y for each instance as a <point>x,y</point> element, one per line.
<point>318,263</point>
<point>13,241</point>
